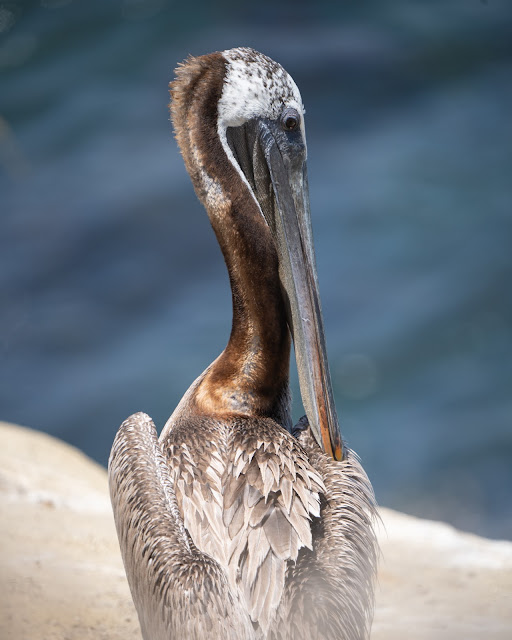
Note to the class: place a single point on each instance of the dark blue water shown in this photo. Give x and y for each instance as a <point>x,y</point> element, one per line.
<point>113,294</point>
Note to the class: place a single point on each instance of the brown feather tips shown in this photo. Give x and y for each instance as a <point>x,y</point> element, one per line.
<point>334,587</point>
<point>175,586</point>
<point>248,495</point>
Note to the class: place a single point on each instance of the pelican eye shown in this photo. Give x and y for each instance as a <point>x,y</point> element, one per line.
<point>290,119</point>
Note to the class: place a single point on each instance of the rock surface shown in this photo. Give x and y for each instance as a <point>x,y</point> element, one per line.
<point>62,578</point>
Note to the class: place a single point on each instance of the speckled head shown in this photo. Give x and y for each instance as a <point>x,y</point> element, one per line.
<point>220,91</point>
<point>256,87</point>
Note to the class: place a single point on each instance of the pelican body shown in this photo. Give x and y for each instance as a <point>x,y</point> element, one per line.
<point>234,524</point>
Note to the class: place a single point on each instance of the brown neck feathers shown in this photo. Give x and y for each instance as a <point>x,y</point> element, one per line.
<point>251,375</point>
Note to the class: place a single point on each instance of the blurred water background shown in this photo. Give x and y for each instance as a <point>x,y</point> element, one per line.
<point>113,293</point>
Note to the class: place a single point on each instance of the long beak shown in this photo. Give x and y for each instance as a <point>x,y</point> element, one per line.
<point>291,226</point>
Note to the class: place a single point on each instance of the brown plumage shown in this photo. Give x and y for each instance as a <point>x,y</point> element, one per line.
<point>233,525</point>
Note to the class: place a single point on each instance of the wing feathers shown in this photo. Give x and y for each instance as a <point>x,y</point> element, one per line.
<point>262,586</point>
<point>277,490</point>
<point>178,591</point>
<point>278,531</point>
<point>257,550</point>
<point>247,500</point>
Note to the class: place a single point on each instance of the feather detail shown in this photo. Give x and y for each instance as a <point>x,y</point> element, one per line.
<point>176,587</point>
<point>278,491</point>
<point>247,499</point>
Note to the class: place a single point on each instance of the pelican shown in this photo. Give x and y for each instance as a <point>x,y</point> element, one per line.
<point>235,524</point>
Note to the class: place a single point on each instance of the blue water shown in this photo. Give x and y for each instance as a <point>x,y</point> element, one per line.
<point>113,293</point>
